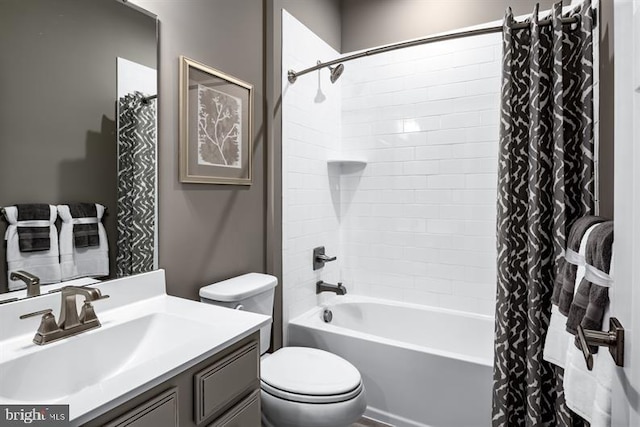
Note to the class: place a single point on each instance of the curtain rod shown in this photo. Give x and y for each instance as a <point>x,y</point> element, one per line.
<point>293,75</point>
<point>146,99</point>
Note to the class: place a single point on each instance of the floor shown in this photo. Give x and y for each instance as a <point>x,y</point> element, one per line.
<point>367,422</point>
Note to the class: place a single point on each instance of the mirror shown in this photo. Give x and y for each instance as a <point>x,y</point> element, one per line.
<point>78,92</point>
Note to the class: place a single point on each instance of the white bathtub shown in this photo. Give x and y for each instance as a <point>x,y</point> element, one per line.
<point>421,366</point>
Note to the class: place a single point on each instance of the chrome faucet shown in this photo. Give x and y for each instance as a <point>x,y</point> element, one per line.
<point>328,287</point>
<point>70,322</point>
<point>32,281</point>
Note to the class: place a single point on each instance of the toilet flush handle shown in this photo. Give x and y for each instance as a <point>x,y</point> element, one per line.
<point>239,307</point>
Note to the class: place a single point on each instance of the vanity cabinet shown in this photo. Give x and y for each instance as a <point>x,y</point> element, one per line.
<point>220,391</point>
<point>159,411</point>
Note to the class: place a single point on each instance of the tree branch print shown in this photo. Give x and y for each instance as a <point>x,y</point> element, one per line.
<point>219,136</point>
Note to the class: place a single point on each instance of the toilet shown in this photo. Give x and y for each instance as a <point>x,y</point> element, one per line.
<point>300,386</point>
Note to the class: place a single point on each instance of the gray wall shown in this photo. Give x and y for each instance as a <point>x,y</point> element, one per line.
<point>369,23</point>
<point>58,103</point>
<point>323,17</point>
<point>209,232</point>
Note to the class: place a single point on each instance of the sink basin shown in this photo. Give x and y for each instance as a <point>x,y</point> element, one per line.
<point>64,368</point>
<point>147,337</point>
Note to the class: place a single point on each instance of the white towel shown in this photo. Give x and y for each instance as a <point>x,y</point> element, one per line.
<point>558,339</point>
<point>43,264</point>
<point>82,262</point>
<point>588,393</point>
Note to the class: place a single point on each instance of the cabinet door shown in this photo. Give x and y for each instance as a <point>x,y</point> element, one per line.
<point>225,382</point>
<point>161,411</point>
<point>244,414</point>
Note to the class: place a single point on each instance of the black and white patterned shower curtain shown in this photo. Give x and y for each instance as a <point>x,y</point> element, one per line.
<point>545,182</point>
<point>136,185</point>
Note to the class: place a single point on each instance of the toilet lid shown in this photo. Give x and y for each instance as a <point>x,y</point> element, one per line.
<point>309,371</point>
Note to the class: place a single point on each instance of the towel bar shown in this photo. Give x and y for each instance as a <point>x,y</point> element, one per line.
<point>614,339</point>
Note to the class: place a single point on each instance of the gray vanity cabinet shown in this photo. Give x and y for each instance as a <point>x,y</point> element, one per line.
<point>245,413</point>
<point>226,380</point>
<point>221,391</point>
<point>159,411</point>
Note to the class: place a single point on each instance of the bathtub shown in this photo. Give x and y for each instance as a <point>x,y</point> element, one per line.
<point>421,366</point>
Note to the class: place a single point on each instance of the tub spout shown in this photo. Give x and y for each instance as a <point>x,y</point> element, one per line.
<point>328,287</point>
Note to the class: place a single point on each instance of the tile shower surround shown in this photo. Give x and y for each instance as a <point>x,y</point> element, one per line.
<point>312,110</point>
<point>417,224</point>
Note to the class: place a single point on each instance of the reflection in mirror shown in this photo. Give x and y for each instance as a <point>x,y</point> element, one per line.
<point>137,85</point>
<point>78,119</point>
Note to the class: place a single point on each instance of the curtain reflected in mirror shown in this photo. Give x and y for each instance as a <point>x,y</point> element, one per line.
<point>137,141</point>
<point>136,184</point>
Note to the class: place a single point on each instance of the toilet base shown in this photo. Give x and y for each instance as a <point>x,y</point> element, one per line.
<point>278,412</point>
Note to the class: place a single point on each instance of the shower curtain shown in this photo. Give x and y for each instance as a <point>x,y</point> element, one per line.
<point>545,182</point>
<point>136,185</point>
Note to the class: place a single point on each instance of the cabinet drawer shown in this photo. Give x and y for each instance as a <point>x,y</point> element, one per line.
<point>227,380</point>
<point>161,411</point>
<point>244,414</point>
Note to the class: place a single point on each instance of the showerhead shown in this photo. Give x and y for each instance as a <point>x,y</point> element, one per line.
<point>336,72</point>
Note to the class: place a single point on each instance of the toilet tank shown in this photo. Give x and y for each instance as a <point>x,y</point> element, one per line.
<point>252,292</point>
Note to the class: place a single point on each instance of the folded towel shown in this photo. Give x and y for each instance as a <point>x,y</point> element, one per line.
<point>84,235</point>
<point>592,296</point>
<point>588,393</point>
<point>558,339</point>
<point>565,282</point>
<point>31,236</point>
<point>82,261</point>
<point>43,263</point>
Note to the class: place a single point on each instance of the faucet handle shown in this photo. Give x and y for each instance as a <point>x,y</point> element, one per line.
<point>36,313</point>
<point>320,258</point>
<point>47,324</point>
<point>87,314</point>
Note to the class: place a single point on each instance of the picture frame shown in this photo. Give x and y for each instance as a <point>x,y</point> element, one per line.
<point>216,126</point>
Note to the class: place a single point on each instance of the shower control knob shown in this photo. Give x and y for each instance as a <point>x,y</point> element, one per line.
<point>319,258</point>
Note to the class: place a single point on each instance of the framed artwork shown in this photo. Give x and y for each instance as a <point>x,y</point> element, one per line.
<point>215,126</point>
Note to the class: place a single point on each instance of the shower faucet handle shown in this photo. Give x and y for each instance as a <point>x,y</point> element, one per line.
<point>319,258</point>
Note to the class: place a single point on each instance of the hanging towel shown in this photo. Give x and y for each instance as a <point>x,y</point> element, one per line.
<point>558,339</point>
<point>41,260</point>
<point>32,236</point>
<point>565,282</point>
<point>592,295</point>
<point>85,234</point>
<point>82,260</point>
<point>588,393</point>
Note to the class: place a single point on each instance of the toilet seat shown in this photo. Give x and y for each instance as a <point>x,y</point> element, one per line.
<point>309,375</point>
<point>307,398</point>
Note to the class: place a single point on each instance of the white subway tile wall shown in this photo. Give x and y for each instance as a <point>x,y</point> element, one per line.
<point>417,224</point>
<point>311,125</point>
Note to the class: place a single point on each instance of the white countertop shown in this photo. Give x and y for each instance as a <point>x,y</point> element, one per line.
<point>190,332</point>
